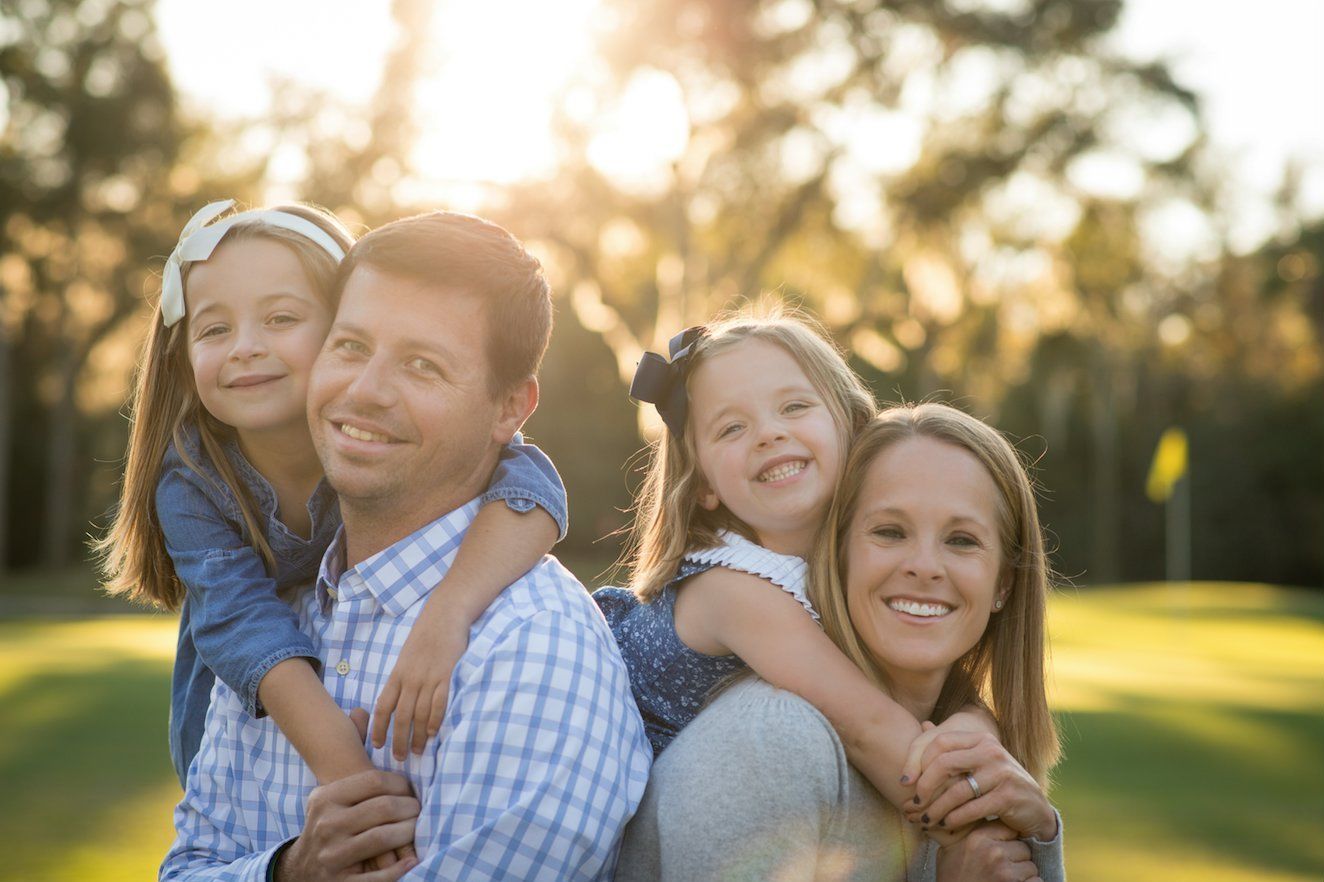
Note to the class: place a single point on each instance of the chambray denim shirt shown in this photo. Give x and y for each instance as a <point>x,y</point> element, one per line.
<point>234,624</point>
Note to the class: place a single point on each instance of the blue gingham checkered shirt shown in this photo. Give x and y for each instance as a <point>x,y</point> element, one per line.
<point>540,761</point>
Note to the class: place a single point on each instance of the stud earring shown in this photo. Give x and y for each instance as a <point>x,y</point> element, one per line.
<point>997,604</point>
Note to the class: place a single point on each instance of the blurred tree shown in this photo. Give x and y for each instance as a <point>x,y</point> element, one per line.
<point>97,172</point>
<point>936,180</point>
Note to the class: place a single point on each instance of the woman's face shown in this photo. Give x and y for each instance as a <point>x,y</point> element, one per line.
<point>923,556</point>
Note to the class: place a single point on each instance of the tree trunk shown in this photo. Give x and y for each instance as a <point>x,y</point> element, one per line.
<point>60,464</point>
<point>6,440</point>
<point>1103,471</point>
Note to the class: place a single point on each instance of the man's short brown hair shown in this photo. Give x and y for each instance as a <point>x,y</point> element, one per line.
<point>447,249</point>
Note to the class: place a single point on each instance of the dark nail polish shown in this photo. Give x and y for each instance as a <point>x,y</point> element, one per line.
<point>942,823</point>
<point>905,779</point>
<point>916,799</point>
<point>924,818</point>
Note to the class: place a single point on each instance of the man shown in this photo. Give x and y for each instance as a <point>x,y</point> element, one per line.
<point>429,369</point>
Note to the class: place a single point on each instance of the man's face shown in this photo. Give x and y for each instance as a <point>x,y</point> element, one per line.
<point>399,402</point>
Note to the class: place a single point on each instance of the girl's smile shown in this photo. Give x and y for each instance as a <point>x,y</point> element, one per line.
<point>255,326</point>
<point>767,445</point>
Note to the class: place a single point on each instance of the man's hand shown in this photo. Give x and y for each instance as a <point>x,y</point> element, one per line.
<point>351,821</point>
<point>991,853</point>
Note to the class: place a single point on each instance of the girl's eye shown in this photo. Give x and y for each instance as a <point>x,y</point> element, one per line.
<point>284,318</point>
<point>728,429</point>
<point>212,331</point>
<point>794,406</point>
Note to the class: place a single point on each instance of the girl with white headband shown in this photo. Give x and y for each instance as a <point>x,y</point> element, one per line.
<point>224,509</point>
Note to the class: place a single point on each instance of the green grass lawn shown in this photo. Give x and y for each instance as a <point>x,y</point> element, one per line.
<point>1193,717</point>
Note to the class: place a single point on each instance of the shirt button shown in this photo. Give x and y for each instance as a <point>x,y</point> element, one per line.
<point>342,668</point>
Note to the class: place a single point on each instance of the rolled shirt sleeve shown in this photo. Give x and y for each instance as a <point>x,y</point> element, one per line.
<point>525,477</point>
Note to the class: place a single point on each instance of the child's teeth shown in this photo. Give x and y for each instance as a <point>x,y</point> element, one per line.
<point>361,435</point>
<point>785,470</point>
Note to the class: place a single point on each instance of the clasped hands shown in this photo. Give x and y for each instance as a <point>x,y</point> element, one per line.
<point>359,827</point>
<point>1004,801</point>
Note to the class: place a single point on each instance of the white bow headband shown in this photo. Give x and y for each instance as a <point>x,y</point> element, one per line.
<point>198,241</point>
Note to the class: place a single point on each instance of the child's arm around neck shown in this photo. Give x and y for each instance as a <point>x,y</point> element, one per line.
<point>723,611</point>
<point>500,546</point>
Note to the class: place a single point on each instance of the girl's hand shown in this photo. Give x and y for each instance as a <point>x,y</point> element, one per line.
<point>961,721</point>
<point>416,692</point>
<point>944,796</point>
<point>391,859</point>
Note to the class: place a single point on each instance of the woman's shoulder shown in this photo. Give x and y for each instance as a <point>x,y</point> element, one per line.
<point>774,723</point>
<point>753,731</point>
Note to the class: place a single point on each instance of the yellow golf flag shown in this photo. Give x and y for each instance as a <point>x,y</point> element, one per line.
<point>1168,467</point>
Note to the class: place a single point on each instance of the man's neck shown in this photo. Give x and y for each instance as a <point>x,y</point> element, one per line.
<point>371,529</point>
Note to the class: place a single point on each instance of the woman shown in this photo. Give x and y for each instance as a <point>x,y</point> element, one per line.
<point>931,577</point>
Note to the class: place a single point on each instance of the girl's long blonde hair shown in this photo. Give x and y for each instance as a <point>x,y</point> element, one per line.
<point>1005,669</point>
<point>668,520</point>
<point>132,555</point>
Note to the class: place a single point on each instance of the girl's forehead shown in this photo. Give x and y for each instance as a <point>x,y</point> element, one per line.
<point>749,363</point>
<point>246,270</point>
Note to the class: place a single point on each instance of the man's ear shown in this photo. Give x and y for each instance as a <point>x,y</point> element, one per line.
<point>517,405</point>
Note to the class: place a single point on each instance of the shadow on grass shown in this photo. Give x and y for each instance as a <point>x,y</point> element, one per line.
<point>1144,776</point>
<point>77,749</point>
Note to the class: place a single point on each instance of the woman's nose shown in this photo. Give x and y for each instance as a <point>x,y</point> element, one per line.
<point>923,563</point>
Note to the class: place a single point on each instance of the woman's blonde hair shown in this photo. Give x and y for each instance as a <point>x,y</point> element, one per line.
<point>1005,669</point>
<point>668,519</point>
<point>132,555</point>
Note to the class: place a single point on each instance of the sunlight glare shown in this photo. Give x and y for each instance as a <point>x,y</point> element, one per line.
<point>485,112</point>
<point>643,134</point>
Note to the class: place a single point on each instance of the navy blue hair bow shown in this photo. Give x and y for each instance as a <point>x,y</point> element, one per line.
<point>662,383</point>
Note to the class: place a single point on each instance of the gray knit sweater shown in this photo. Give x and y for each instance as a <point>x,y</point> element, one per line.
<point>758,787</point>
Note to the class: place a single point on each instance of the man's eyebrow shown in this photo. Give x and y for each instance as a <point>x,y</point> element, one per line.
<point>349,328</point>
<point>429,348</point>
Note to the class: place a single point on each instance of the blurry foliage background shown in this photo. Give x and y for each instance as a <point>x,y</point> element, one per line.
<point>973,197</point>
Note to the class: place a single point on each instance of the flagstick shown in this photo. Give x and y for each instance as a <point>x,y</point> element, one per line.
<point>1179,530</point>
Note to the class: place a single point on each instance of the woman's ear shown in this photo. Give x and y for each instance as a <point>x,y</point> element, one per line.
<point>1004,591</point>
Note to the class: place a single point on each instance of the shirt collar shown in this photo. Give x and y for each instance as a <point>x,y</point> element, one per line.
<point>403,574</point>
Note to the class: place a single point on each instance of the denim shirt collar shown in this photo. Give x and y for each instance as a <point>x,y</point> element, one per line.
<point>401,575</point>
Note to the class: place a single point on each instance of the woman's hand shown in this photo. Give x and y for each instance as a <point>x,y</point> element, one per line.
<point>416,692</point>
<point>946,797</point>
